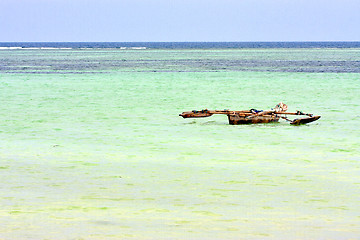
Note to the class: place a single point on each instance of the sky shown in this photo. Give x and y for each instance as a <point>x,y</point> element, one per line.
<point>179,20</point>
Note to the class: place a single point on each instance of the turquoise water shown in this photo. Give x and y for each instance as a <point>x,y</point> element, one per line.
<point>94,149</point>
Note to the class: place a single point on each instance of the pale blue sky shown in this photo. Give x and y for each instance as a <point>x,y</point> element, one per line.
<point>179,20</point>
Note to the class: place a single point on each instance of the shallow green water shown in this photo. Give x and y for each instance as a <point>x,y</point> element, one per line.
<point>106,156</point>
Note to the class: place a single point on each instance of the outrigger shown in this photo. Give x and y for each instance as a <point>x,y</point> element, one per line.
<point>255,116</point>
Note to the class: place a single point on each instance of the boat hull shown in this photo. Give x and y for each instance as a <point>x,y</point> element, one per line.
<point>301,121</point>
<point>236,119</point>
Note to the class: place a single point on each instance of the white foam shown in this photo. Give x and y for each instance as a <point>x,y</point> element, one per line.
<point>10,48</point>
<point>138,48</point>
<point>67,48</point>
<point>34,48</point>
<point>133,48</point>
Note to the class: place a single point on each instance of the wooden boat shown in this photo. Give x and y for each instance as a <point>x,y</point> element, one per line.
<point>236,119</point>
<point>255,116</point>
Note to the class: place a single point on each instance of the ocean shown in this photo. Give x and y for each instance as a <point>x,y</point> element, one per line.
<point>92,145</point>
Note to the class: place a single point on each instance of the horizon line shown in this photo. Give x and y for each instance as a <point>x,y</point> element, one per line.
<point>307,41</point>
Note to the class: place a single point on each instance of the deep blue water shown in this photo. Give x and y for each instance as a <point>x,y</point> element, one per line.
<point>57,60</point>
<point>184,45</point>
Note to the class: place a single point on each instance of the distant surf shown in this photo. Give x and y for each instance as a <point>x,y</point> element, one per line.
<point>174,45</point>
